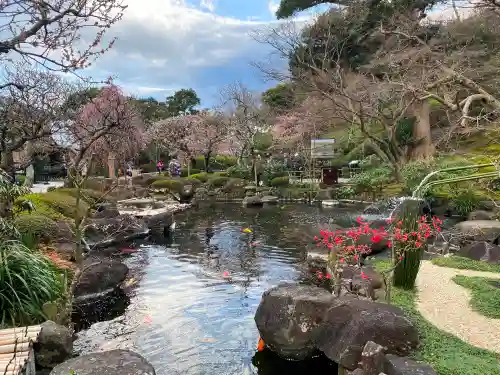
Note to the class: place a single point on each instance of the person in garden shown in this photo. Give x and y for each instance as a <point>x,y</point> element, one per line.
<point>174,167</point>
<point>159,166</point>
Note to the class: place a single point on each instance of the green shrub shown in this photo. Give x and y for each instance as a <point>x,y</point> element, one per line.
<point>148,168</point>
<point>372,180</point>
<point>234,185</point>
<point>192,181</point>
<point>240,172</point>
<point>465,201</point>
<point>344,192</point>
<point>273,170</point>
<point>192,171</point>
<point>280,182</point>
<point>223,161</point>
<point>218,181</point>
<point>221,174</point>
<point>91,197</point>
<point>41,227</point>
<point>27,281</point>
<point>203,176</point>
<point>172,184</point>
<point>21,179</point>
<point>55,205</point>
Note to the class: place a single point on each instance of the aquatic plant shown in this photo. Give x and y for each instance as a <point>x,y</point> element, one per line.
<point>407,239</point>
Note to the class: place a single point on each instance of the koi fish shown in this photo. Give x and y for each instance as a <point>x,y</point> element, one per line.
<point>246,230</point>
<point>261,345</point>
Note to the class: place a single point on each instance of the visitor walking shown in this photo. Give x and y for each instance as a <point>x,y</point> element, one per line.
<point>174,168</point>
<point>159,166</point>
<point>128,173</point>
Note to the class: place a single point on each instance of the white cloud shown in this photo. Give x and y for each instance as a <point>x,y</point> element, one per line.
<point>207,4</point>
<point>167,43</point>
<point>273,6</point>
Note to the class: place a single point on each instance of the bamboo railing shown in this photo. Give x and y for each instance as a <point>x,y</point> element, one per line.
<point>16,348</point>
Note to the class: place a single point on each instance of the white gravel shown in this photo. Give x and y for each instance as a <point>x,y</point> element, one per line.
<point>446,305</point>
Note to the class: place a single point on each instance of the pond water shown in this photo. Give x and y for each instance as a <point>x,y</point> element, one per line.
<point>191,309</point>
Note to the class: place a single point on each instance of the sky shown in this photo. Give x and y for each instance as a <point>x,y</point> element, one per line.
<point>167,45</point>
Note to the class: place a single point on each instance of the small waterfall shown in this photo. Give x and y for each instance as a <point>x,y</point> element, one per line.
<point>390,208</point>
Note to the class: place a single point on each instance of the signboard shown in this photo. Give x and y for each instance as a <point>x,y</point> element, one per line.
<point>322,148</point>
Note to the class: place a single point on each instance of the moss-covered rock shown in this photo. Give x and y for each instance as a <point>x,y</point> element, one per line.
<point>172,184</point>
<point>56,205</point>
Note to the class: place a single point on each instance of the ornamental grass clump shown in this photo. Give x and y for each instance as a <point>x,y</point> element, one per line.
<point>28,280</point>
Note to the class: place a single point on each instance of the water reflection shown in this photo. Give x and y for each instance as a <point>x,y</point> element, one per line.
<point>186,316</point>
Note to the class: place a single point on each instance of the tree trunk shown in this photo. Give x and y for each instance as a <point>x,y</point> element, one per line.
<point>423,149</point>
<point>7,164</point>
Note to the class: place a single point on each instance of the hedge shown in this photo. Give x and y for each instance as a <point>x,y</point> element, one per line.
<point>192,171</point>
<point>91,197</point>
<point>175,185</point>
<point>279,182</point>
<point>203,176</point>
<point>240,172</point>
<point>41,227</point>
<point>55,205</point>
<point>218,181</point>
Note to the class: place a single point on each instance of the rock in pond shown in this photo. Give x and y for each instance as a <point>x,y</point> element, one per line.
<point>484,251</point>
<point>289,317</point>
<point>54,345</point>
<point>109,231</point>
<point>350,322</point>
<point>270,199</point>
<point>481,215</point>
<point>99,277</point>
<point>252,201</point>
<point>113,362</point>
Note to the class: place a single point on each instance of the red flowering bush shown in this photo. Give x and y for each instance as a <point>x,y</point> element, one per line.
<point>405,238</point>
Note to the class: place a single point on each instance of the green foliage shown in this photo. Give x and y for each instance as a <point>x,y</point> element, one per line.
<point>485,294</point>
<point>223,162</point>
<point>21,179</point>
<point>148,168</point>
<point>42,228</point>
<point>463,263</point>
<point>91,197</point>
<point>182,102</point>
<point>240,172</point>
<point>280,182</point>
<point>192,181</point>
<point>465,201</point>
<point>372,179</point>
<point>280,98</point>
<point>273,170</point>
<point>27,281</point>
<point>234,185</point>
<point>217,181</point>
<point>174,185</point>
<point>221,174</point>
<point>55,205</point>
<point>447,354</point>
<point>192,171</point>
<point>344,192</point>
<point>203,176</point>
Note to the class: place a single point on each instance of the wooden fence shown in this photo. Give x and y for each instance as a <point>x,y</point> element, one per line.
<point>16,350</point>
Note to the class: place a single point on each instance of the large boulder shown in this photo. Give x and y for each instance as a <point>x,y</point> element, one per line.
<point>270,199</point>
<point>160,221</point>
<point>106,210</point>
<point>475,230</point>
<point>395,365</point>
<point>350,323</point>
<point>484,251</point>
<point>289,318</point>
<point>54,345</point>
<point>113,362</point>
<point>99,277</point>
<point>111,231</point>
<point>252,201</point>
<point>481,215</point>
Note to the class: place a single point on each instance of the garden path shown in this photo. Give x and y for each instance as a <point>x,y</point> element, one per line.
<point>446,305</point>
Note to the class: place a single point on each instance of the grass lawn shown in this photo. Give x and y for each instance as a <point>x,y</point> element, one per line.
<point>485,296</point>
<point>466,264</point>
<point>446,353</point>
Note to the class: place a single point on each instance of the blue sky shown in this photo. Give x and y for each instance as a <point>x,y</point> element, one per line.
<point>166,45</point>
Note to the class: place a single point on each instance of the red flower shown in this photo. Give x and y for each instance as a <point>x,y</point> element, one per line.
<point>389,243</point>
<point>376,238</point>
<point>328,276</point>
<point>418,244</point>
<point>400,258</point>
<point>319,275</point>
<point>341,260</point>
<point>315,238</point>
<point>363,276</point>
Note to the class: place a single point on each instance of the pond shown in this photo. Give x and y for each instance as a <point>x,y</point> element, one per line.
<point>191,309</point>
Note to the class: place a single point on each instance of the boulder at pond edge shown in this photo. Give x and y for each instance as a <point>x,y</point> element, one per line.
<point>54,345</point>
<point>288,318</point>
<point>113,362</point>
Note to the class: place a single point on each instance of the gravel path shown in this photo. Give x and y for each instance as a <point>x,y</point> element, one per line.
<point>446,305</point>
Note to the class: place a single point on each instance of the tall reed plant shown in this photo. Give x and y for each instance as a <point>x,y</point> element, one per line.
<point>28,280</point>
